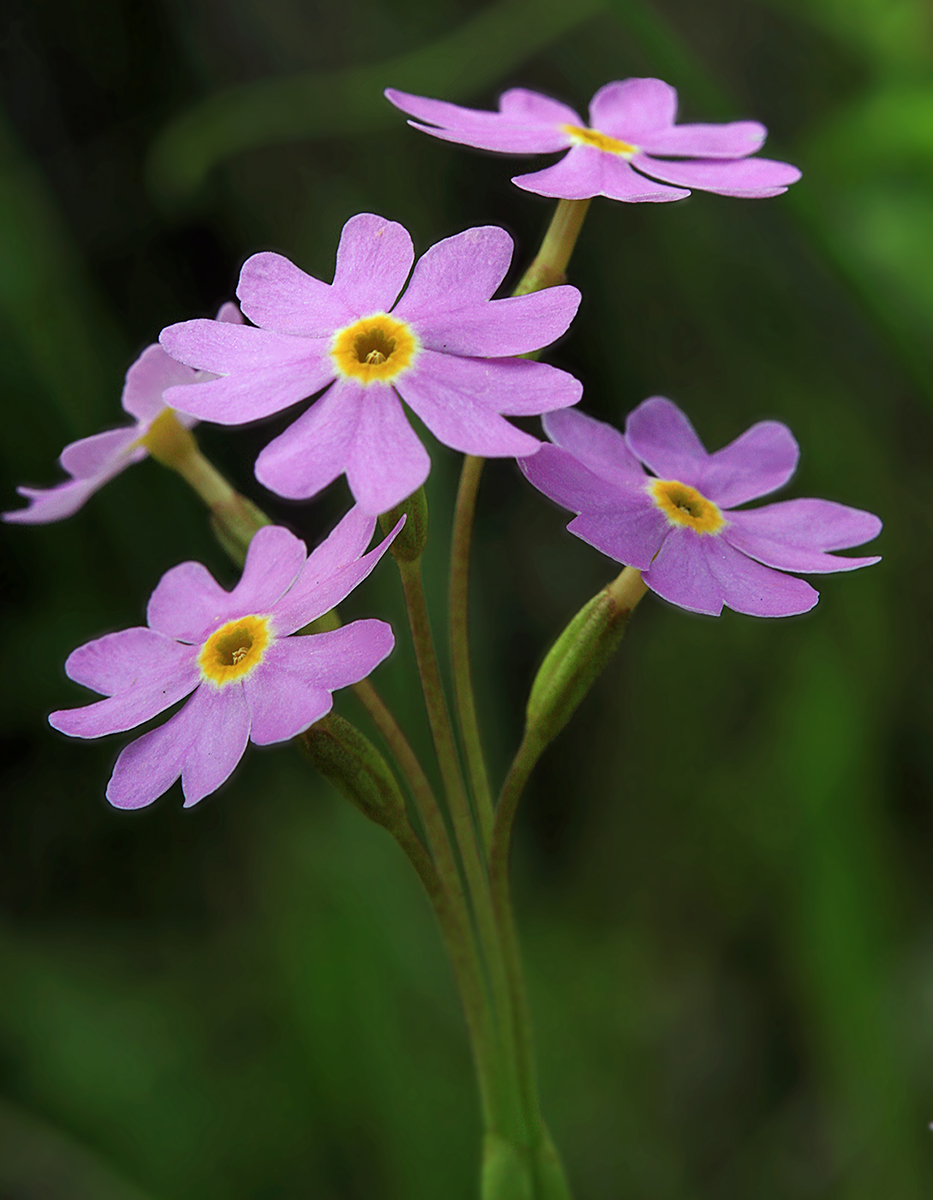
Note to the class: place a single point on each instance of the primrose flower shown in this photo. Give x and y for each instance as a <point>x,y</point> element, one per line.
<point>232,652</point>
<point>445,348</point>
<point>680,526</point>
<point>630,142</point>
<point>92,461</point>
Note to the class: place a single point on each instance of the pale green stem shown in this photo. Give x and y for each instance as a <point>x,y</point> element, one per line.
<point>460,645</point>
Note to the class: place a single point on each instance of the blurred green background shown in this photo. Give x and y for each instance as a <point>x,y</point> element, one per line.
<point>723,868</point>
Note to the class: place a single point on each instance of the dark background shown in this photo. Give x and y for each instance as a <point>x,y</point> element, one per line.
<point>724,865</point>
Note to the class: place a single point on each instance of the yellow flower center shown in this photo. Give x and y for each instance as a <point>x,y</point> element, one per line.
<point>235,649</point>
<point>684,505</point>
<point>375,349</point>
<point>599,141</point>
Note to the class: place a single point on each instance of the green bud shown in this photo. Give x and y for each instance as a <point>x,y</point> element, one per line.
<point>575,661</point>
<point>409,544</point>
<point>348,760</point>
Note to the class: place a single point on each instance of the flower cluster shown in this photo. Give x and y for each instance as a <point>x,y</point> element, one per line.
<point>389,331</point>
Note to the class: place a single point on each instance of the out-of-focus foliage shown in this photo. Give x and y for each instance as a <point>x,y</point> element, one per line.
<point>723,869</point>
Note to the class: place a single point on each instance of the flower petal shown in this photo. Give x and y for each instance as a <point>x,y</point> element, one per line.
<point>748,587</point>
<point>796,535</point>
<point>586,172</point>
<point>758,462</point>
<point>387,461</point>
<point>273,562</point>
<point>596,444</point>
<point>279,296</point>
<point>188,603</point>
<point>631,108</point>
<point>315,592</point>
<point>117,661</point>
<point>147,768</point>
<point>249,395</point>
<point>223,732</point>
<point>101,455</point>
<point>754,178</point>
<point>681,573</point>
<point>315,449</point>
<point>373,261</point>
<point>527,122</point>
<point>515,387</point>
<point>164,685</point>
<point>660,435</point>
<point>293,688</point>
<point>736,139</point>
<point>451,400</point>
<point>346,542</point>
<point>147,379</point>
<point>456,271</point>
<point>223,347</point>
<point>499,328</point>
<point>56,503</point>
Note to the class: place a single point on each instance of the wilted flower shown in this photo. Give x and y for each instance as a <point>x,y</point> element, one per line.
<point>680,527</point>
<point>445,348</point>
<point>631,124</point>
<point>251,680</point>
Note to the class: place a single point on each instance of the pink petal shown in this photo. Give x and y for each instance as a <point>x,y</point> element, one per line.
<point>450,398</point>
<point>733,140</point>
<point>188,603</point>
<point>249,395</point>
<point>515,387</point>
<point>387,461</point>
<point>56,503</point>
<point>344,544</point>
<point>631,108</point>
<point>599,446</point>
<point>373,261</point>
<point>567,481</point>
<point>147,379</point>
<point>315,593</point>
<point>758,462</point>
<point>456,271</point>
<point>660,435</point>
<point>748,587</point>
<point>315,449</point>
<point>102,455</point>
<point>223,731</point>
<point>795,535</point>
<point>273,562</point>
<point>166,682</point>
<point>113,663</point>
<point>230,313</point>
<point>293,688</point>
<point>277,295</point>
<point>587,172</point>
<point>753,178</point>
<point>528,123</point>
<point>500,328</point>
<point>223,347</point>
<point>148,767</point>
<point>681,573</point>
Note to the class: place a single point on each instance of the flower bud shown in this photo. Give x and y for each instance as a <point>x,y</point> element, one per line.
<point>578,656</point>
<point>409,544</point>
<point>348,760</point>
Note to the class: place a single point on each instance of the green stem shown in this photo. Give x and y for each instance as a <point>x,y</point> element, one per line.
<point>549,265</point>
<point>514,1111</point>
<point>460,646</point>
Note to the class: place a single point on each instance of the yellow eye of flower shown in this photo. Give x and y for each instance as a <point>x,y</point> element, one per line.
<point>684,505</point>
<point>375,349</point>
<point>234,650</point>
<point>599,141</point>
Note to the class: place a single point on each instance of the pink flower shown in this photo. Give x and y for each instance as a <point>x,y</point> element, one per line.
<point>445,348</point>
<point>631,124</point>
<point>92,461</point>
<point>680,526</point>
<point>233,654</point>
